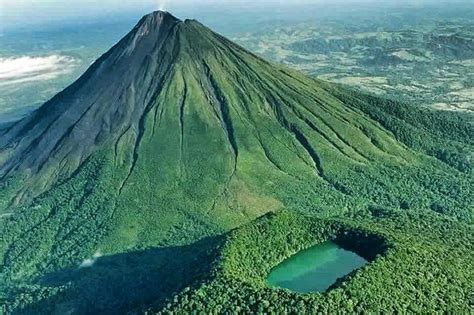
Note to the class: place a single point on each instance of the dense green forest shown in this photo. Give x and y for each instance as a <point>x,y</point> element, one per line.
<point>143,195</point>
<point>420,263</point>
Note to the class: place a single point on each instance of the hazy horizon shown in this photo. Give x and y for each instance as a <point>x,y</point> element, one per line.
<point>17,13</point>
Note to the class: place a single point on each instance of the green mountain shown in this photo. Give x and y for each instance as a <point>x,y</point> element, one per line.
<point>119,192</point>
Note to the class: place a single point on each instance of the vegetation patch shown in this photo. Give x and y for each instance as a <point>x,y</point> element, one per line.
<point>252,251</point>
<point>400,262</point>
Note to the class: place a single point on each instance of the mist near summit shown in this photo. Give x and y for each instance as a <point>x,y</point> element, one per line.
<point>162,5</point>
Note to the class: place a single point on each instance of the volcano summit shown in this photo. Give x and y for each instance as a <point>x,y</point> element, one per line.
<point>177,135</point>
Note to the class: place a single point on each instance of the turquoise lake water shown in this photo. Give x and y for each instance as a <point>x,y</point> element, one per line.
<point>314,269</point>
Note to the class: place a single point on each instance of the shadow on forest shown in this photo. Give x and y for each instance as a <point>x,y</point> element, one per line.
<point>123,283</point>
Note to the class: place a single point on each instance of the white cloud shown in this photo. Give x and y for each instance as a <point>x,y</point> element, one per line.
<point>31,69</point>
<point>86,263</point>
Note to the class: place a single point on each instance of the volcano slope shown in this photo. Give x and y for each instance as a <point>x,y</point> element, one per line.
<point>177,135</point>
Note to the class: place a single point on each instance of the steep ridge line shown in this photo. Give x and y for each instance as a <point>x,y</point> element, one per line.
<point>161,78</point>
<point>181,122</point>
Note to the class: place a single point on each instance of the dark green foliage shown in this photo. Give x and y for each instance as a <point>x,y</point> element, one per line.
<point>413,255</point>
<point>444,135</point>
<point>125,282</point>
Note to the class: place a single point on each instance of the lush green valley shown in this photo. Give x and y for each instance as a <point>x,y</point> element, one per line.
<point>180,168</point>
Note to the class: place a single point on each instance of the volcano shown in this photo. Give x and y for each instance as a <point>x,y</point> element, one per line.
<point>177,134</point>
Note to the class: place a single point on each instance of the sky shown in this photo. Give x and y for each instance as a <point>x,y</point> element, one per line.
<point>24,13</point>
<point>28,11</point>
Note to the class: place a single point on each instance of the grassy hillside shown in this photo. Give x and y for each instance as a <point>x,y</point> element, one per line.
<point>117,192</point>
